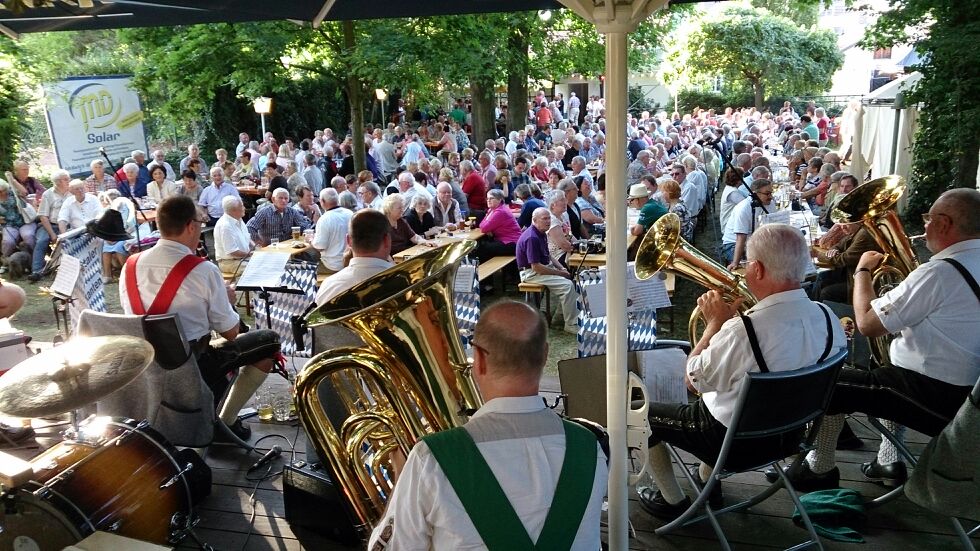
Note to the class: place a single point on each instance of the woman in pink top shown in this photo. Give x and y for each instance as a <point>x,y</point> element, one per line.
<point>500,229</point>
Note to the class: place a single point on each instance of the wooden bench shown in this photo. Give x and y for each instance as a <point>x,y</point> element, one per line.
<point>533,292</point>
<point>492,266</point>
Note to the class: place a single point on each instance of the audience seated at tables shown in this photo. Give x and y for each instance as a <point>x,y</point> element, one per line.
<point>78,208</point>
<point>402,235</point>
<point>277,221</point>
<point>537,265</point>
<point>306,204</point>
<point>232,242</point>
<point>500,229</point>
<point>529,194</point>
<point>419,218</point>
<point>330,237</point>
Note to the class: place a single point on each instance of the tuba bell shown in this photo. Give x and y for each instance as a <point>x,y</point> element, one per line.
<point>873,204</point>
<point>664,248</point>
<point>410,377</point>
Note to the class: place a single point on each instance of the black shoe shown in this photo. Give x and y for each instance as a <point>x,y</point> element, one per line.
<point>891,475</point>
<point>239,429</point>
<point>15,436</point>
<point>35,277</point>
<point>653,502</point>
<point>716,498</point>
<point>847,440</point>
<point>807,480</point>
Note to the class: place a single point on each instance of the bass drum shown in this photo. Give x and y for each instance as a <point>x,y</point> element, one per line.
<point>117,476</point>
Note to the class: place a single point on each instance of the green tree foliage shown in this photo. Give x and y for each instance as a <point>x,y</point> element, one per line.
<point>13,97</point>
<point>768,53</point>
<point>946,35</point>
<point>802,12</point>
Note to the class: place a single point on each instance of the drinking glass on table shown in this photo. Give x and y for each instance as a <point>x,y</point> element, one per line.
<point>296,230</point>
<point>274,242</point>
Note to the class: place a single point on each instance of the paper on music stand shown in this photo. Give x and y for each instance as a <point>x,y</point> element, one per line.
<point>663,372</point>
<point>648,294</point>
<point>464,279</point>
<point>777,217</point>
<point>68,271</point>
<point>264,269</point>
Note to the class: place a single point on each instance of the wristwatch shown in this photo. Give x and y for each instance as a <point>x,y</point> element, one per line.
<point>859,270</point>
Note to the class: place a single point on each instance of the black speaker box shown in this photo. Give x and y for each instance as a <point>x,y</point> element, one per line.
<point>314,503</point>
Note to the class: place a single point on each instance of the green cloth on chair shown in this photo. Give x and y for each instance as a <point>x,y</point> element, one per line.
<point>835,513</point>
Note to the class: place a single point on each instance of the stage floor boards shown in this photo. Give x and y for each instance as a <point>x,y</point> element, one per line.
<point>231,520</point>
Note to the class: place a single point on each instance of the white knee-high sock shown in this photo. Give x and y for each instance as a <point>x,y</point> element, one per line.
<point>663,474</point>
<point>823,458</point>
<point>249,379</point>
<point>704,471</point>
<point>887,452</point>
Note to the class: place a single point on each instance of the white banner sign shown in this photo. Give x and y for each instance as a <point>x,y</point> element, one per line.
<point>86,113</point>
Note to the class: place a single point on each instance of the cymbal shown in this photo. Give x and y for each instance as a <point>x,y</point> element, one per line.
<point>72,375</point>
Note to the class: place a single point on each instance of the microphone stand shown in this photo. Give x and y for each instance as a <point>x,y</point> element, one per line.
<point>726,165</point>
<point>128,194</point>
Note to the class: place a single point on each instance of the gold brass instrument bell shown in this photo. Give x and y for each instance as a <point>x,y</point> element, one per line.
<point>409,378</point>
<point>873,205</point>
<point>663,248</point>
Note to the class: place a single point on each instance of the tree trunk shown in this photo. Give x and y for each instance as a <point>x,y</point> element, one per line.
<point>481,93</point>
<point>760,93</point>
<point>517,77</point>
<point>355,92</point>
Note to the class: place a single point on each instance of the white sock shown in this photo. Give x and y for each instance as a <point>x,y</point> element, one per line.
<point>887,452</point>
<point>249,379</point>
<point>663,474</point>
<point>704,471</point>
<point>824,458</point>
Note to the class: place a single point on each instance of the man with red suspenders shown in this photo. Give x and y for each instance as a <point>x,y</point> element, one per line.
<point>169,278</point>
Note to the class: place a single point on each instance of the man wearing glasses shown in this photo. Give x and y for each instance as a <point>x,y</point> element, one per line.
<point>742,222</point>
<point>936,355</point>
<point>169,278</point>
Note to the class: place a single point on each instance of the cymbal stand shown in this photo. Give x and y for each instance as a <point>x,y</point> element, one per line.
<point>60,305</point>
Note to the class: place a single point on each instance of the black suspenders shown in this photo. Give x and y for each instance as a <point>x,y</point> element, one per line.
<point>757,352</point>
<point>966,275</point>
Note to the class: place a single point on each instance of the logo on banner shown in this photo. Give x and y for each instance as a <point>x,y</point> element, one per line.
<point>94,106</point>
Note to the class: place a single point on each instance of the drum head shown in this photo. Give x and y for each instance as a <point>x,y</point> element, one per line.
<point>34,525</point>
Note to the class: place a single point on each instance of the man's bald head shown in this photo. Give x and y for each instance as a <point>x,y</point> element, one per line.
<point>514,337</point>
<point>962,206</point>
<point>12,298</point>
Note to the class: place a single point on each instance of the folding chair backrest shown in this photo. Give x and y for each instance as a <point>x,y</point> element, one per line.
<point>780,402</point>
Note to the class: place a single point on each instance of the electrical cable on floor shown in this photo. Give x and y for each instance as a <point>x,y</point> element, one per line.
<point>267,475</point>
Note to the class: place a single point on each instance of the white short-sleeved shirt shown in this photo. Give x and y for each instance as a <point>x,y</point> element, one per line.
<point>230,234</point>
<point>730,196</point>
<point>76,214</point>
<point>212,196</point>
<point>359,269</point>
<point>937,317</point>
<point>690,194</point>
<point>524,445</point>
<point>51,201</point>
<point>792,333</point>
<point>330,237</point>
<point>740,221</point>
<point>201,303</point>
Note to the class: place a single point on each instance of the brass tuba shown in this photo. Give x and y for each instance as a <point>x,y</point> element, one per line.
<point>873,204</point>
<point>664,248</point>
<point>409,378</point>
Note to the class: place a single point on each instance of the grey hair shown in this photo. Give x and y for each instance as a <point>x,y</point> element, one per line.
<point>759,184</point>
<point>496,194</point>
<point>59,174</point>
<point>466,165</point>
<point>782,250</point>
<point>329,196</point>
<point>348,200</point>
<point>389,202</point>
<point>523,191</point>
<point>230,202</point>
<point>406,178</point>
<point>566,185</point>
<point>372,187</point>
<point>553,196</point>
<point>130,167</point>
<point>761,173</point>
<point>137,152</point>
<point>579,159</point>
<point>338,181</point>
<point>280,191</point>
<point>95,162</point>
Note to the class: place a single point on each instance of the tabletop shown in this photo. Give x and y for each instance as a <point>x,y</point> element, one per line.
<point>295,247</point>
<point>440,240</point>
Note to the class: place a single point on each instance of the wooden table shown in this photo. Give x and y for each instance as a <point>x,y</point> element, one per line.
<point>288,246</point>
<point>440,240</point>
<point>147,215</point>
<point>594,260</point>
<point>251,191</point>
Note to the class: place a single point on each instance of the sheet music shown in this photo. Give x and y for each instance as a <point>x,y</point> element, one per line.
<point>595,295</point>
<point>649,294</point>
<point>464,279</point>
<point>264,269</point>
<point>663,372</point>
<point>68,271</point>
<point>777,217</point>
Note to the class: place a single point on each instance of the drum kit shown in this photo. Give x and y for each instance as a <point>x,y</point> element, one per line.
<point>108,474</point>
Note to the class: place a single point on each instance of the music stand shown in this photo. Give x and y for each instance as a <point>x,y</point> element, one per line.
<point>263,274</point>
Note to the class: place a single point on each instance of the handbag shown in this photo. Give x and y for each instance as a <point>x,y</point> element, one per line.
<point>27,211</point>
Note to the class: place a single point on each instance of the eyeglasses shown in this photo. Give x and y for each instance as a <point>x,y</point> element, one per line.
<point>927,217</point>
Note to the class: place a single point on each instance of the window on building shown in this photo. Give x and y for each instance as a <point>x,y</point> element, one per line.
<point>883,53</point>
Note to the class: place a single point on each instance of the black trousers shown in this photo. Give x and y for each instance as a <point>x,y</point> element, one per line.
<point>217,358</point>
<point>692,428</point>
<point>901,395</point>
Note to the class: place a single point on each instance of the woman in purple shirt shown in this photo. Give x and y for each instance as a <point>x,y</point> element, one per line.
<point>500,229</point>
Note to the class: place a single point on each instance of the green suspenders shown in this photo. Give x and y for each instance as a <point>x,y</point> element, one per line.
<point>487,505</point>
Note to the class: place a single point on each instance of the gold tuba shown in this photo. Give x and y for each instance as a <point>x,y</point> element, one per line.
<point>873,204</point>
<point>408,379</point>
<point>664,248</point>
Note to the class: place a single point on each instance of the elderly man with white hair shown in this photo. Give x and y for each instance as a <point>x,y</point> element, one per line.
<point>193,152</point>
<point>784,331</point>
<point>330,237</point>
<point>212,195</point>
<point>408,187</point>
<point>536,265</point>
<point>159,160</point>
<point>578,169</point>
<point>99,180</point>
<point>78,208</point>
<point>47,220</point>
<point>277,221</point>
<point>232,242</point>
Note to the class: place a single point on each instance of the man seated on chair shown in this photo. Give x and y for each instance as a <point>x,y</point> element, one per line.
<point>935,357</point>
<point>232,242</point>
<point>370,243</point>
<point>784,331</point>
<point>170,279</point>
<point>532,477</point>
<point>536,265</point>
